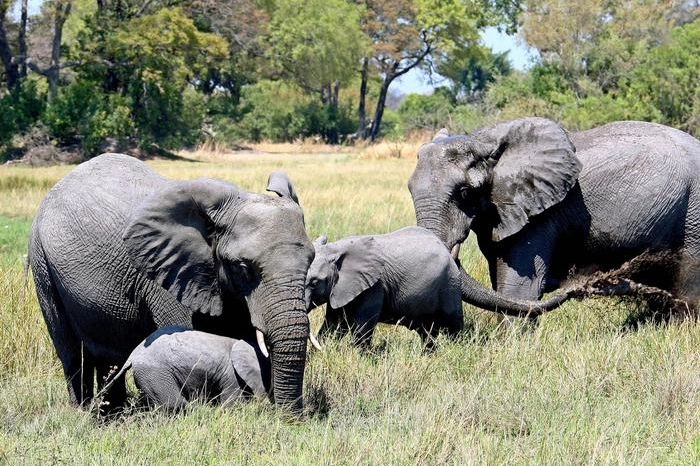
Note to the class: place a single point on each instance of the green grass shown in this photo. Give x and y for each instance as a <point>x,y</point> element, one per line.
<point>576,389</point>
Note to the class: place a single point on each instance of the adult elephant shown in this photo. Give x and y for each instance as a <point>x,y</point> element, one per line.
<point>544,203</point>
<point>118,251</point>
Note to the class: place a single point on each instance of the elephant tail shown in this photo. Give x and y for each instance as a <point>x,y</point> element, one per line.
<point>109,381</point>
<point>478,295</point>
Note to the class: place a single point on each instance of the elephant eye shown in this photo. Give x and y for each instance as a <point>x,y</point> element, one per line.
<point>463,193</point>
<point>239,269</point>
<point>245,270</point>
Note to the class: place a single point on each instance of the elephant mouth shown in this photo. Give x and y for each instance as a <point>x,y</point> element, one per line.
<point>260,338</point>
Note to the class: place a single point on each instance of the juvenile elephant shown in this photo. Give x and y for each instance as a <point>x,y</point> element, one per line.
<point>175,365</point>
<point>544,203</point>
<point>405,277</point>
<point>118,251</point>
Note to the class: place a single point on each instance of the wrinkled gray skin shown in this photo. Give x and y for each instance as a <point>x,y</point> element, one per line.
<point>544,203</point>
<point>118,251</point>
<point>405,277</point>
<point>174,365</point>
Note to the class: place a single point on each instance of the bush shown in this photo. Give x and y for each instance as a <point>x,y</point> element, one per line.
<point>83,114</point>
<point>19,110</point>
<point>424,112</point>
<point>279,112</point>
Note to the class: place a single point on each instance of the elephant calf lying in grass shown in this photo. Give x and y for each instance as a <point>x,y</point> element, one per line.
<point>406,277</point>
<point>175,365</point>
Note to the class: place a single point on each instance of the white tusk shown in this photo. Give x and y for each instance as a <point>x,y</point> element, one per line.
<point>455,251</point>
<point>314,341</point>
<point>261,343</point>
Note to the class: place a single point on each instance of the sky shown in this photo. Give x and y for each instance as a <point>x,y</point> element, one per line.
<point>416,81</point>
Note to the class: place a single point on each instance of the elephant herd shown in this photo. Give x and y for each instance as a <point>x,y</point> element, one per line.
<point>131,267</point>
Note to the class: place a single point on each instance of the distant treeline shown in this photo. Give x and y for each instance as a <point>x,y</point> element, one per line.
<point>90,75</point>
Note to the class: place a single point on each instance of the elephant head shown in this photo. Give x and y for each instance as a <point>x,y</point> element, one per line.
<point>206,241</point>
<point>341,271</point>
<point>499,176</point>
<point>491,181</point>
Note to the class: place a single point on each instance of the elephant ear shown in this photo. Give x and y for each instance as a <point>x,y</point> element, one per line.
<point>535,169</point>
<point>170,240</point>
<point>250,368</point>
<point>443,133</point>
<point>321,241</point>
<point>278,182</point>
<point>359,267</point>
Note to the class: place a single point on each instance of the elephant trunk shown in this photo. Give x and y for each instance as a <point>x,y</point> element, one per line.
<point>286,328</point>
<point>478,295</point>
<point>288,358</point>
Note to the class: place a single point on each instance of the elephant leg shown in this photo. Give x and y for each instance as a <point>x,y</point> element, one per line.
<point>450,315</point>
<point>335,323</point>
<point>78,366</point>
<point>428,332</point>
<point>79,369</point>
<point>364,314</point>
<point>160,388</point>
<point>115,398</point>
<point>689,267</point>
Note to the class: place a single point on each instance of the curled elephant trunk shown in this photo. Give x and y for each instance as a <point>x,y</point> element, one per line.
<point>478,295</point>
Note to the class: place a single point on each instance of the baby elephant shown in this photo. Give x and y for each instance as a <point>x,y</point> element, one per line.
<point>175,365</point>
<point>406,277</point>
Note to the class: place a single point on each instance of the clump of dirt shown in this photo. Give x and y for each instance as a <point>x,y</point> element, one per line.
<point>623,282</point>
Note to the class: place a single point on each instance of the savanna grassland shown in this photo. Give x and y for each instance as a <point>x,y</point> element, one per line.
<point>578,388</point>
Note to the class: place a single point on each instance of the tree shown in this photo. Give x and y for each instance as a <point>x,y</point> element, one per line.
<point>243,24</point>
<point>318,44</point>
<point>598,42</point>
<point>406,34</point>
<point>472,75</point>
<point>668,76</point>
<point>9,63</point>
<point>149,65</point>
<point>58,12</point>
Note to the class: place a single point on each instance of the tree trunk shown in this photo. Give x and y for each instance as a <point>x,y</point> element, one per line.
<point>379,112</point>
<point>52,74</point>
<point>361,110</point>
<point>22,39</point>
<point>11,71</point>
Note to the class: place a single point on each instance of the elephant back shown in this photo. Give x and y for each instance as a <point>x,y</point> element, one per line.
<point>79,225</point>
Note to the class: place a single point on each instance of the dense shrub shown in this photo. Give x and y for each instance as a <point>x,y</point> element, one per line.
<point>19,110</point>
<point>82,114</point>
<point>278,111</point>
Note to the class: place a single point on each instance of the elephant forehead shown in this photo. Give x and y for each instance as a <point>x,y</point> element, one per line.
<point>433,174</point>
<point>281,217</point>
<point>267,226</point>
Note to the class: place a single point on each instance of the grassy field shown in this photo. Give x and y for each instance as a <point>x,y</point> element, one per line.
<point>576,389</point>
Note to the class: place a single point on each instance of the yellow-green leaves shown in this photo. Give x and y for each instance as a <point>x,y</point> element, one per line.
<point>166,46</point>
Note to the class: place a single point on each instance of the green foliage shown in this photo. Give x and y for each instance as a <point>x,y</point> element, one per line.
<point>19,109</point>
<point>277,111</point>
<point>317,42</point>
<point>83,113</point>
<point>425,112</point>
<point>667,79</point>
<point>135,82</point>
<point>472,77</point>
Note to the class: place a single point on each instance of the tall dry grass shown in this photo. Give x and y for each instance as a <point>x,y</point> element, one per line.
<point>577,388</point>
